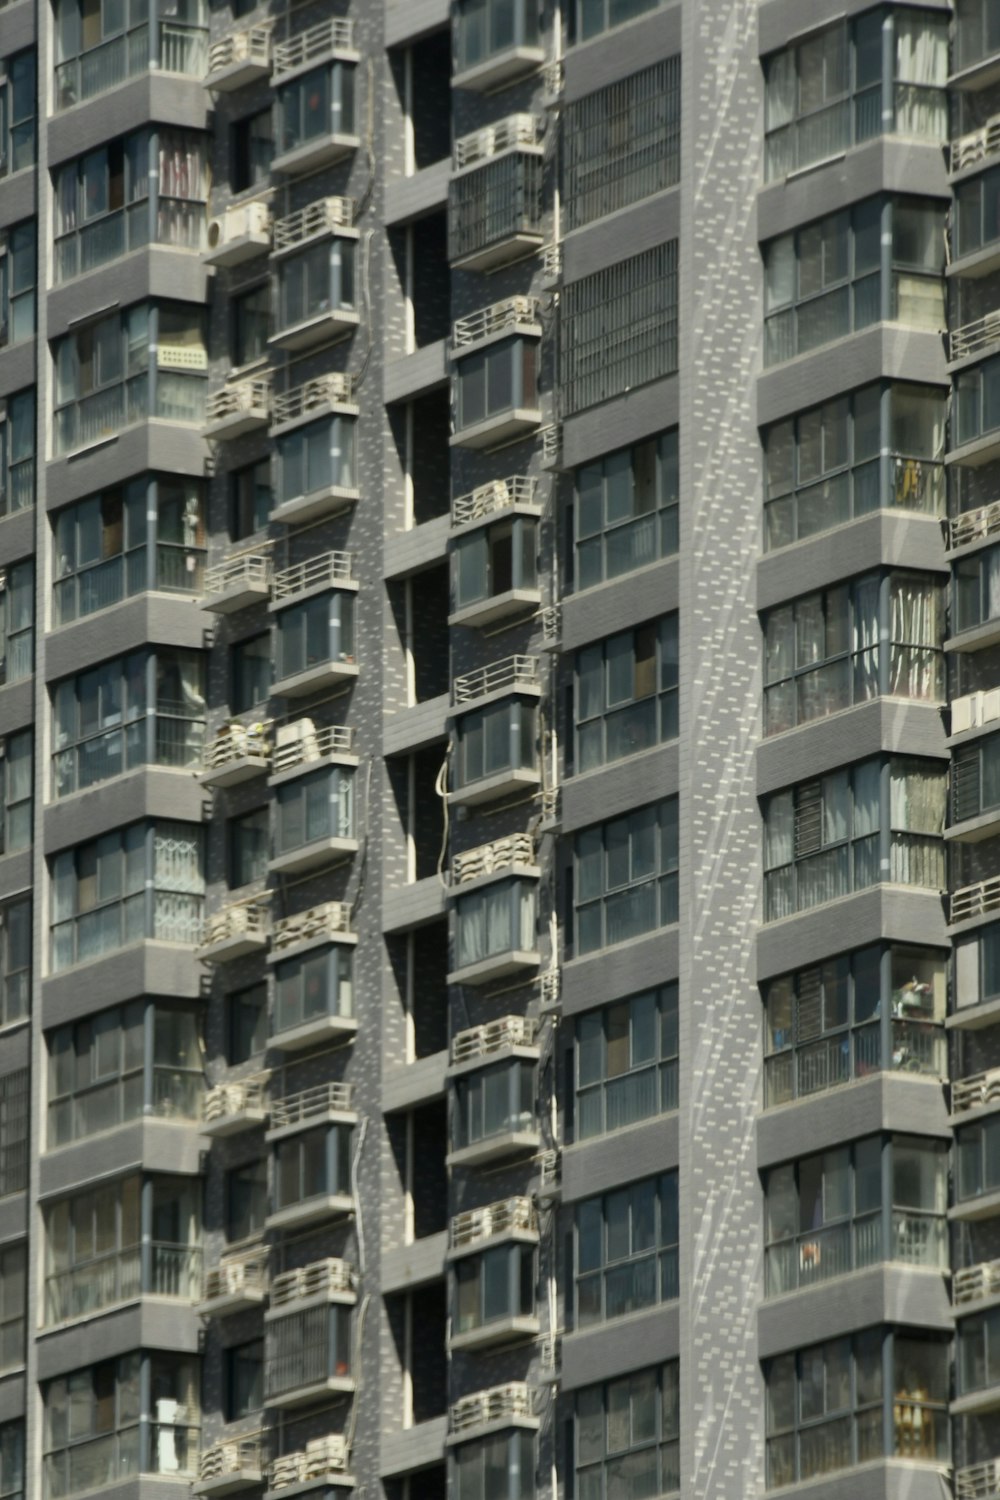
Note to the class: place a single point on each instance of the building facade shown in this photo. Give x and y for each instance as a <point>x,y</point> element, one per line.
<point>500,749</point>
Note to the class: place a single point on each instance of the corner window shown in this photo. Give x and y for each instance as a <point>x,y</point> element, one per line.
<point>626,693</point>
<point>626,511</point>
<point>626,1062</point>
<point>97,49</point>
<point>629,1428</point>
<point>626,1250</point>
<point>625,877</point>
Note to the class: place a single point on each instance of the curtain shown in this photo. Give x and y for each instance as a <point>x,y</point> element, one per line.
<point>865,642</point>
<point>916,625</point>
<point>917,797</point>
<point>921,75</point>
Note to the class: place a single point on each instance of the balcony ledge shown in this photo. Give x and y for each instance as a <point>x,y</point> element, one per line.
<point>499,607</point>
<point>250,1118</point>
<point>313,856</point>
<point>531,1052</point>
<point>238,250</point>
<point>327,1116</point>
<point>973,830</point>
<point>494,432</point>
<point>229,1484</point>
<point>978,262</point>
<point>970,1210</point>
<point>321,763</point>
<point>324,151</point>
<point>312,1032</point>
<point>305,1394</point>
<point>979,451</point>
<point>491,1335</point>
<point>500,1147</point>
<point>492,788</point>
<point>326,502</point>
<point>311,1211</point>
<point>235,425</point>
<point>500,69</point>
<point>311,1486</point>
<point>322,328</point>
<point>241,768</point>
<point>236,945</point>
<point>241,596</point>
<point>225,1305</point>
<point>238,74</point>
<point>975,1017</point>
<point>513,247</point>
<point>976,637</point>
<point>976,1402</point>
<point>978,75</point>
<point>324,674</point>
<point>499,966</point>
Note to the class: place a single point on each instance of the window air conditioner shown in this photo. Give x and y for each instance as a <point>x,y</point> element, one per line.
<point>248,221</point>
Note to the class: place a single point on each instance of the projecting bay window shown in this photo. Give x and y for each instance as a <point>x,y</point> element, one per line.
<point>141,882</point>
<point>312,1165</point>
<point>316,293</point>
<point>17,453</point>
<point>307,1354</point>
<point>618,328</point>
<point>590,18</point>
<point>495,571</point>
<point>121,1064</point>
<point>17,622</point>
<point>120,1241</point>
<point>148,534</point>
<point>496,750</point>
<point>626,1062</point>
<point>17,113</point>
<point>849,830</point>
<point>625,513</point>
<point>148,186</point>
<point>499,1467</point>
<point>100,45</point>
<point>313,810</point>
<point>977,32</point>
<point>625,875</point>
<point>496,391</point>
<point>879,447</point>
<point>16,801</point>
<point>316,633</point>
<point>880,261</point>
<point>495,1295</point>
<point>495,40</point>
<point>316,116</point>
<point>496,1104</point>
<point>829,1407</point>
<point>626,1250</point>
<point>877,636</point>
<point>148,360</point>
<point>826,94</point>
<point>138,1414</point>
<point>622,143</point>
<point>143,709</point>
<point>978,1363</point>
<point>627,1435</point>
<point>845,1019</point>
<point>977,402</point>
<point>316,460</point>
<point>978,1172</point>
<point>313,995</point>
<point>626,693</point>
<point>15,961</point>
<point>496,923</point>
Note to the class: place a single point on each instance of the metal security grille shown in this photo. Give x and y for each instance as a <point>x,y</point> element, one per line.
<point>619,328</point>
<point>495,202</point>
<point>622,143</point>
<point>14,1132</point>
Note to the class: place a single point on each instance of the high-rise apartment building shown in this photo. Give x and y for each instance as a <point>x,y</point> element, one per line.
<point>500,749</point>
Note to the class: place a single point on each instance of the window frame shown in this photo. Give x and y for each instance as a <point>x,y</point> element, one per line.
<point>660,518</point>
<point>656,701</point>
<point>653,1244</point>
<point>599,1474</point>
<point>598,892</point>
<point>592,1081</point>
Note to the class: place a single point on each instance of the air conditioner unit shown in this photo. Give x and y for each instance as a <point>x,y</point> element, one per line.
<point>989,706</point>
<point>966,713</point>
<point>239,233</point>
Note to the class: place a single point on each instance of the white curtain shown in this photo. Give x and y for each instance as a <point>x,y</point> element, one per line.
<point>921,73</point>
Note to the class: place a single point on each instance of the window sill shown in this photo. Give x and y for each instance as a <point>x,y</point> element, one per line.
<point>502,68</point>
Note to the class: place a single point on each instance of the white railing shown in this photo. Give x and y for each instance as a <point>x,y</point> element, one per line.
<point>236,1275</point>
<point>552,78</point>
<point>972,525</point>
<point>511,673</point>
<point>551,626</point>
<point>975,900</point>
<point>550,984</point>
<point>321,1457</point>
<point>329,567</point>
<point>480,1041</point>
<point>252,46</point>
<point>501,1403</point>
<point>325,216</point>
<point>500,317</point>
<point>509,1216</point>
<point>515,130</point>
<point>487,859</point>
<point>336,388</point>
<point>248,570</point>
<point>302,741</point>
<point>318,1278</point>
<point>552,262</point>
<point>550,804</point>
<point>972,338</point>
<point>551,443</point>
<point>236,1098</point>
<point>243,398</point>
<point>241,919</point>
<point>294,1109</point>
<point>325,920</point>
<point>976,146</point>
<point>235,741</point>
<point>311,45</point>
<point>979,1481</point>
<point>246,1454</point>
<point>976,1090</point>
<point>550,1172</point>
<point>974,1282</point>
<point>498,495</point>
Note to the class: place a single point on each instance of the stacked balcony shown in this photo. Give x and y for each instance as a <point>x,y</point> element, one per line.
<point>327,227</point>
<point>242,58</point>
<point>321,63</point>
<point>495,710</point>
<point>494,541</point>
<point>237,1284</point>
<point>241,407</point>
<point>240,233</point>
<point>236,930</point>
<point>495,353</point>
<point>238,582</point>
<point>492,1073</point>
<point>495,196</point>
<point>324,1112</point>
<point>231,1108</point>
<point>236,1464</point>
<point>236,753</point>
<point>314,599</point>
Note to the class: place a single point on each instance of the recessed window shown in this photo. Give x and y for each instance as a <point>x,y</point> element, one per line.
<point>618,328</point>
<point>14,1098</point>
<point>626,511</point>
<point>625,877</point>
<point>629,1429</point>
<point>626,1250</point>
<point>251,323</point>
<point>246,1200</point>
<point>18,94</point>
<point>249,838</point>
<point>247,1024</point>
<point>17,623</point>
<point>626,693</point>
<point>251,672</point>
<point>252,499</point>
<point>244,1379</point>
<point>15,960</point>
<point>18,280</point>
<point>626,1062</point>
<point>16,779</point>
<point>252,150</point>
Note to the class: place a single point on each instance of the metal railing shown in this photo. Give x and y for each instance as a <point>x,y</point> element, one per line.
<point>978,1481</point>
<point>311,743</point>
<point>325,216</point>
<point>500,1403</point>
<point>552,443</point>
<point>328,919</point>
<point>510,674</point>
<point>244,398</point>
<point>235,742</point>
<point>318,1278</point>
<point>236,1098</point>
<point>334,388</point>
<point>480,1041</point>
<point>312,45</point>
<point>974,900</point>
<point>552,262</point>
<point>238,1456</point>
<point>323,1456</point>
<point>976,1090</point>
<point>248,570</point>
<point>310,1104</point>
<point>488,859</point>
<point>509,1216</point>
<point>236,1275</point>
<point>241,918</point>
<point>252,45</point>
<point>480,145</point>
<point>329,567</point>
<point>496,496</point>
<point>173,1271</point>
<point>974,337</point>
<point>970,149</point>
<point>501,317</point>
<point>972,1283</point>
<point>550,985</point>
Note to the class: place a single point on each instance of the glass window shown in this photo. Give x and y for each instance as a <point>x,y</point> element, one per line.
<point>977,402</point>
<point>500,1467</point>
<point>16,779</point>
<point>13,1306</point>
<point>317,631</point>
<point>319,983</point>
<point>251,672</point>
<point>246,1200</point>
<point>249,838</point>
<point>102,201</point>
<point>247,1024</point>
<point>17,622</point>
<point>495,920</point>
<point>252,150</point>
<point>307,1348</point>
<point>313,1164</point>
<point>618,328</point>
<point>626,1250</point>
<point>627,1435</point>
<point>98,47</point>
<point>626,693</point>
<point>17,453</point>
<point>12,1461</point>
<point>14,1098</point>
<point>252,499</point>
<point>498,379</point>
<point>317,806</point>
<point>501,737</point>
<point>317,104</point>
<point>251,323</point>
<point>978,1158</point>
<point>626,511</point>
<point>487,27</point>
<point>592,17</point>
<point>626,1062</point>
<point>244,1379</point>
<point>316,281</point>
<point>498,1100</point>
<point>18,280</point>
<point>975,593</point>
<point>17,113</point>
<point>495,1286</point>
<point>15,960</point>
<point>625,877</point>
<point>494,560</point>
<point>977,32</point>
<point>977,212</point>
<point>318,456</point>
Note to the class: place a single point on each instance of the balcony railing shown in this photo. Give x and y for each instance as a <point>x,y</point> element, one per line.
<point>509,1216</point>
<point>978,1481</point>
<point>333,568</point>
<point>312,46</point>
<point>173,1271</point>
<point>973,525</point>
<point>237,1275</point>
<point>322,1458</point>
<point>819,1254</point>
<point>328,919</point>
<point>972,1283</point>
<point>974,337</point>
<point>319,1278</point>
<point>501,1403</point>
<point>301,742</point>
<point>509,675</point>
<point>515,130</point>
<point>237,1098</point>
<point>182,49</point>
<point>335,388</point>
<point>976,146</point>
<point>240,919</point>
<point>311,1104</point>
<point>325,216</point>
<point>245,398</point>
<point>481,1041</point>
<point>250,46</point>
<point>236,1458</point>
<point>502,317</point>
<point>235,742</point>
<point>498,495</point>
<point>250,570</point>
<point>489,859</point>
<point>975,1091</point>
<point>975,900</point>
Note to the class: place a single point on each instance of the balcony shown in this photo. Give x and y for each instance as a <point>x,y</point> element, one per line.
<point>244,406</point>
<point>495,198</point>
<point>322,1464</point>
<point>478,1228</point>
<point>481,64</point>
<point>305,746</point>
<point>326,1103</point>
<point>238,752</point>
<point>976,148</point>
<point>330,39</point>
<point>233,1465</point>
<point>237,1284</point>
<point>500,498</point>
<point>493,1076</point>
<point>317,220</point>
<point>974,339</point>
<point>320,1282</point>
<point>328,922</point>
<point>509,1405</point>
<point>513,674</point>
<point>978,1481</point>
<point>499,320</point>
<point>233,932</point>
<point>314,604</point>
<point>510,1036</point>
<point>238,60</point>
<point>239,234</point>
<point>975,1284</point>
<point>495,382</point>
<point>313,76</point>
<point>237,583</point>
<point>972,901</point>
<point>231,1108</point>
<point>980,1091</point>
<point>315,261</point>
<point>324,394</point>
